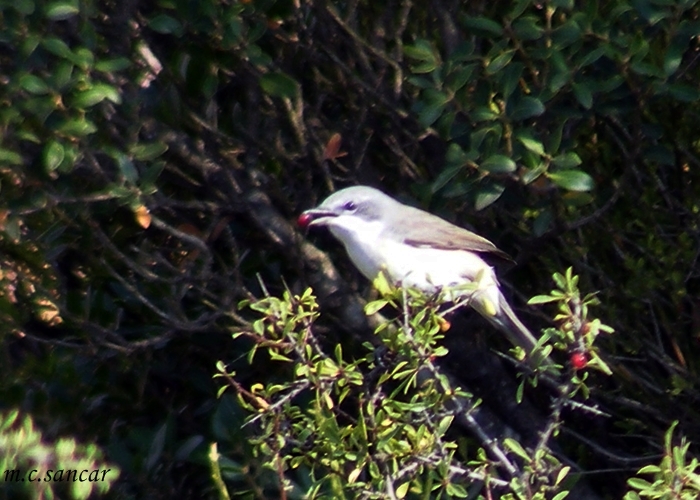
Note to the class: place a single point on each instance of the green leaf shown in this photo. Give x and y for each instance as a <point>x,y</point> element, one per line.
<point>478,136</point>
<point>402,490</point>
<point>77,127</point>
<point>583,94</point>
<point>542,222</point>
<point>59,11</point>
<point>463,52</point>
<point>445,123</point>
<point>498,164</point>
<point>455,490</point>
<point>422,50</point>
<point>527,28</point>
<point>53,155</point>
<point>148,152</point>
<point>563,4</point>
<point>40,107</point>
<point>278,84</point>
<point>459,77</point>
<point>637,47</point>
<point>432,96</point>
<point>84,58</point>
<point>685,93</point>
<point>157,446</point>
<point>519,6</point>
<point>567,160</point>
<point>445,177</point>
<point>535,172</point>
<point>650,13</point>
<point>531,160</point>
<point>618,10</point>
<point>70,157</point>
<point>25,7</point>
<point>566,34</point>
<point>487,195</point>
<point>646,69</point>
<point>96,94</point>
<point>592,56</point>
<point>499,62</point>
<point>29,45</point>
<point>28,135</point>
<point>516,448</point>
<point>149,177</point>
<point>256,55</point>
<point>126,167</point>
<point>381,283</point>
<point>573,180</point>
<point>510,78</point>
<point>483,24</point>
<point>610,84</point>
<point>554,139</point>
<point>482,114</point>
<point>558,79</point>
<point>577,199</point>
<point>163,23</point>
<point>81,490</point>
<point>526,108</point>
<point>532,145</point>
<point>674,56</point>
<point>9,157</point>
<point>11,227</point>
<point>563,472</point>
<point>33,84</point>
<point>430,113</point>
<point>419,81</point>
<point>58,47</point>
<point>689,28</point>
<point>456,156</point>
<point>424,67</point>
<point>62,74</point>
<point>639,483</point>
<point>113,65</point>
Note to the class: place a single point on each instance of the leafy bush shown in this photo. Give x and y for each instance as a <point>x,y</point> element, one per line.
<point>43,470</point>
<point>377,425</point>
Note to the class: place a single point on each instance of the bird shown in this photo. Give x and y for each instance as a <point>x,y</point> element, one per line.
<point>417,249</point>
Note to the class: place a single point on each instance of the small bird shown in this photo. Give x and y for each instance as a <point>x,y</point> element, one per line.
<point>414,248</point>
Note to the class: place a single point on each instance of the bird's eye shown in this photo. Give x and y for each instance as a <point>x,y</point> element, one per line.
<point>350,205</point>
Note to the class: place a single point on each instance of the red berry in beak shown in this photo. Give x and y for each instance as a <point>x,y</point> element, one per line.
<point>304,220</point>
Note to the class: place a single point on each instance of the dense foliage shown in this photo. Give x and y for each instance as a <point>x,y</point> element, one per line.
<point>154,156</point>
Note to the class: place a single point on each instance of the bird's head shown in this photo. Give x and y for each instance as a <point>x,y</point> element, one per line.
<point>350,211</point>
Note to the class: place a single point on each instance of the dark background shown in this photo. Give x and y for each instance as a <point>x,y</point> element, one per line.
<point>155,156</point>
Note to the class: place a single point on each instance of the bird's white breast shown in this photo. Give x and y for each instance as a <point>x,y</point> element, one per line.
<point>430,268</point>
<point>427,269</point>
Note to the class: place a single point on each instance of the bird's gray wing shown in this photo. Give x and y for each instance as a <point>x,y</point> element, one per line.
<point>426,230</point>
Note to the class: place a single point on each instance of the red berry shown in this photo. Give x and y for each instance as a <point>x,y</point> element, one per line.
<point>304,220</point>
<point>578,360</point>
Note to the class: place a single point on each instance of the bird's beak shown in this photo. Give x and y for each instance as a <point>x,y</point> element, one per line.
<point>315,217</point>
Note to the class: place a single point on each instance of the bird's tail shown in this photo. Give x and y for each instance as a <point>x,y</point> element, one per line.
<point>518,334</point>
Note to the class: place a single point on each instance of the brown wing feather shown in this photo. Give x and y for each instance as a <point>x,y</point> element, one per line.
<point>428,230</point>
